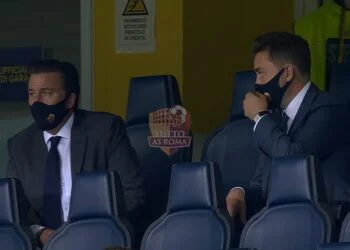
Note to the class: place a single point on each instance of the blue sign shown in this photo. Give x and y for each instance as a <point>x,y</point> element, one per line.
<point>14,72</point>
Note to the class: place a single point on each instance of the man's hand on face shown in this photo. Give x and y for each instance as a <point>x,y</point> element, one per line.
<point>236,205</point>
<point>253,103</point>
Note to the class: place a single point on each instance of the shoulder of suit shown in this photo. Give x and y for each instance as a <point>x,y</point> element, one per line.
<point>24,135</point>
<point>98,119</point>
<point>325,99</point>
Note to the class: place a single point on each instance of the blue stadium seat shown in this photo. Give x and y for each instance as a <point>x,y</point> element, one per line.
<point>148,94</point>
<point>232,145</point>
<point>340,87</point>
<point>335,246</point>
<point>12,237</point>
<point>345,230</point>
<point>339,84</point>
<point>344,238</point>
<point>292,218</point>
<point>196,216</point>
<point>243,82</point>
<point>96,215</point>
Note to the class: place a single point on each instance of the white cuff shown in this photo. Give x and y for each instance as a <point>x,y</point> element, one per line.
<point>238,188</point>
<point>258,122</point>
<point>36,228</point>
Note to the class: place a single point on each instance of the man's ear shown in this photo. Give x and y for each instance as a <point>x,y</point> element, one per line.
<point>71,100</point>
<point>289,73</point>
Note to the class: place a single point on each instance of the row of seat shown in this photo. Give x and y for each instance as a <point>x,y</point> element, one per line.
<point>195,216</point>
<point>339,85</point>
<point>96,217</point>
<point>150,93</point>
<point>230,143</point>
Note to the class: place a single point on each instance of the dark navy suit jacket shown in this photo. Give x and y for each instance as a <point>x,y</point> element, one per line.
<point>98,141</point>
<point>321,127</point>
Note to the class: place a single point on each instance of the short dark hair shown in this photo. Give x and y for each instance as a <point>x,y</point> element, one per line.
<point>284,46</point>
<point>67,71</point>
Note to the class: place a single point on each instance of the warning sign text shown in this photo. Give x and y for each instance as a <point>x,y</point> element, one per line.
<point>135,29</point>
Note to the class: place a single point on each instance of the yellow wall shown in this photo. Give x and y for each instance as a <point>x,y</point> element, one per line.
<point>112,71</point>
<point>218,40</point>
<point>203,43</point>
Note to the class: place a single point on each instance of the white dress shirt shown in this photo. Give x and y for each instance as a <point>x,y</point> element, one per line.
<point>66,174</point>
<point>291,110</point>
<point>293,107</point>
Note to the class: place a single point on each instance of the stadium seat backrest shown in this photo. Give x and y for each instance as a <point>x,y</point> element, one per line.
<point>292,218</point>
<point>232,145</point>
<point>12,203</point>
<point>148,94</point>
<point>96,215</point>
<point>345,230</point>
<point>195,218</point>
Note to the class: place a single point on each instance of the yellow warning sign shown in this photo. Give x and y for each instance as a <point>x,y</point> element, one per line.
<point>135,7</point>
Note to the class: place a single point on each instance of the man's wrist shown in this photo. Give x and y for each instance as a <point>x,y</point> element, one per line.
<point>38,236</point>
<point>259,115</point>
<point>257,120</point>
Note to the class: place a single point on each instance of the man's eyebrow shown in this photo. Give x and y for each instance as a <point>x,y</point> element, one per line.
<point>30,89</point>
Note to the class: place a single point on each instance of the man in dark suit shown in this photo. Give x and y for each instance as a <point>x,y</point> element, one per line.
<point>64,141</point>
<point>307,121</point>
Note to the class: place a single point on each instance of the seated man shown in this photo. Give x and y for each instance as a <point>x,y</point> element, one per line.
<point>63,141</point>
<point>312,122</point>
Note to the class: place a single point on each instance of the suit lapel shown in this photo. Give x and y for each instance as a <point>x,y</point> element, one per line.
<point>35,151</point>
<point>78,144</point>
<point>304,108</point>
<point>38,154</point>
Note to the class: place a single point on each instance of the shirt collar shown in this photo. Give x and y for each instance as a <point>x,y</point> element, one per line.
<point>64,132</point>
<point>294,105</point>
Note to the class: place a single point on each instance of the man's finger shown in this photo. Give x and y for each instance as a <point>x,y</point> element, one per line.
<point>231,210</point>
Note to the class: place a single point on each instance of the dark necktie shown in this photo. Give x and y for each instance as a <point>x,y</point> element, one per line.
<point>284,122</point>
<point>52,208</point>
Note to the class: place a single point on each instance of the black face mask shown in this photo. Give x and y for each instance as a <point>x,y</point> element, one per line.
<point>48,117</point>
<point>274,90</point>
